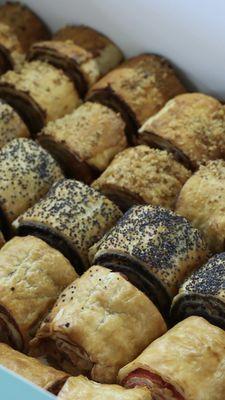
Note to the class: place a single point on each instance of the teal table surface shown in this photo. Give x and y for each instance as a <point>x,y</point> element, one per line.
<point>13,387</point>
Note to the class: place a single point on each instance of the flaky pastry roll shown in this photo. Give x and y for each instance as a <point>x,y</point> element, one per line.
<point>32,275</point>
<point>140,175</point>
<point>155,248</point>
<point>19,28</point>
<point>25,24</point>
<point>11,52</point>
<point>100,322</point>
<point>201,201</point>
<point>71,218</point>
<point>137,89</point>
<point>191,126</point>
<point>104,52</point>
<point>85,141</point>
<point>187,363</point>
<point>27,173</point>
<point>203,293</point>
<point>81,388</point>
<point>83,53</point>
<point>2,240</point>
<point>75,61</point>
<point>39,92</point>
<point>11,125</point>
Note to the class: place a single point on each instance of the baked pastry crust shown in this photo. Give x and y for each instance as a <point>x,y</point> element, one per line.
<point>31,369</point>
<point>140,175</point>
<point>190,357</point>
<point>27,173</point>
<point>99,323</point>
<point>203,293</point>
<point>2,240</point>
<point>25,24</point>
<point>40,93</point>
<point>85,141</point>
<point>138,88</point>
<point>155,248</point>
<point>11,125</point>
<point>32,275</point>
<point>72,217</point>
<point>191,126</point>
<point>19,29</point>
<point>75,61</point>
<point>81,388</point>
<point>105,52</point>
<point>11,53</point>
<point>201,201</point>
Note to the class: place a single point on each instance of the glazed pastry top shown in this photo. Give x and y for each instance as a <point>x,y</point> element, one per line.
<point>81,388</point>
<point>123,319</point>
<point>190,356</point>
<point>201,202</point>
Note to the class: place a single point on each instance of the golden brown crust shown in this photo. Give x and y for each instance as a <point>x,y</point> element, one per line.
<point>11,52</point>
<point>27,27</point>
<point>11,125</point>
<point>201,202</point>
<point>27,173</point>
<point>39,92</point>
<point>75,61</point>
<point>153,243</point>
<point>73,212</point>
<point>190,356</point>
<point>32,275</point>
<point>114,322</point>
<point>81,388</point>
<point>92,134</point>
<point>145,175</point>
<point>31,369</point>
<point>106,53</point>
<point>192,123</point>
<point>2,240</point>
<point>143,83</point>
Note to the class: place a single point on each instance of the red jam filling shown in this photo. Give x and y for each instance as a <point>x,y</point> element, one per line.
<point>152,378</point>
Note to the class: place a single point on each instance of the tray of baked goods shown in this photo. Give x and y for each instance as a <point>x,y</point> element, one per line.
<point>112,193</point>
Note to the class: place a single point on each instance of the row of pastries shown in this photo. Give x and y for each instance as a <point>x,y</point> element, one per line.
<point>186,362</point>
<point>157,373</point>
<point>111,207</point>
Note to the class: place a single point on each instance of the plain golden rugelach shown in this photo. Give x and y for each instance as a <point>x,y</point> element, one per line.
<point>81,388</point>
<point>201,201</point>
<point>32,276</point>
<point>100,323</point>
<point>186,363</point>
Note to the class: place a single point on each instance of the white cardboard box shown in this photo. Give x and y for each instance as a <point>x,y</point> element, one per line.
<point>190,33</point>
